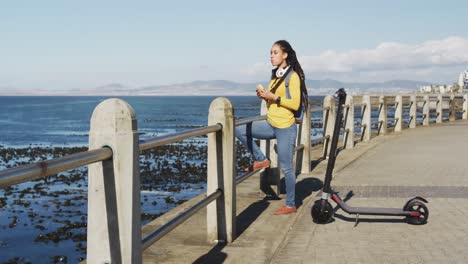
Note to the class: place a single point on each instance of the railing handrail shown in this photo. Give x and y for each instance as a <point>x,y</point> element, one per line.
<point>43,169</point>
<point>247,120</point>
<point>179,219</point>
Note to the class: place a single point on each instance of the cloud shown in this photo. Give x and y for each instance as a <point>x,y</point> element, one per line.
<point>451,51</point>
<point>388,60</point>
<point>258,68</point>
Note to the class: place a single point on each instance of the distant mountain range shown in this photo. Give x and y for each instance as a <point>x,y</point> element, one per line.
<point>226,88</point>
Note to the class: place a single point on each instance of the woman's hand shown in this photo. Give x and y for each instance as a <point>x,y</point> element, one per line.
<point>267,95</point>
<point>260,91</point>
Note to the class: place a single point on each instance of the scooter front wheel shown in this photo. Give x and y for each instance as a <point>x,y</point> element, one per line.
<point>322,212</point>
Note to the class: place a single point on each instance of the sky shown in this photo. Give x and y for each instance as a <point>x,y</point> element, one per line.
<point>84,44</point>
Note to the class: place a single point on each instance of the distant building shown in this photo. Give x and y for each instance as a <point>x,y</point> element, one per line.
<point>463,80</point>
<point>425,89</point>
<point>445,88</point>
<point>436,89</point>
<point>460,87</point>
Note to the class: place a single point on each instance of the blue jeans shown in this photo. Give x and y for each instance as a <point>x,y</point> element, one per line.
<point>285,142</point>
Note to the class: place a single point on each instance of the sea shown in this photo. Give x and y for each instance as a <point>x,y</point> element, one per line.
<point>57,121</point>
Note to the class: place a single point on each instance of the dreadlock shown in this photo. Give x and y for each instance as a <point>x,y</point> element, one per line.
<point>296,66</point>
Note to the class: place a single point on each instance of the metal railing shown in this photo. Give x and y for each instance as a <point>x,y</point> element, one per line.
<point>43,169</point>
<point>379,114</point>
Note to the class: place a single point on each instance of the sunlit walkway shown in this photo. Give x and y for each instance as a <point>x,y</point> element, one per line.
<point>427,161</point>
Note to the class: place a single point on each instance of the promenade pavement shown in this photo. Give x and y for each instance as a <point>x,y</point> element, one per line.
<point>385,172</point>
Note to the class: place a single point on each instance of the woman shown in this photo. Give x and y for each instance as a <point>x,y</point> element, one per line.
<point>280,123</point>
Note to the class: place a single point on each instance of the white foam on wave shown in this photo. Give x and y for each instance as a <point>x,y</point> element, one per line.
<point>43,145</point>
<point>66,133</point>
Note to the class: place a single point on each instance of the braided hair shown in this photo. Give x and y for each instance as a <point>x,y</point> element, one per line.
<point>296,66</point>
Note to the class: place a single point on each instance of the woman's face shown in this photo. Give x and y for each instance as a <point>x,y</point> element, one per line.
<point>277,56</point>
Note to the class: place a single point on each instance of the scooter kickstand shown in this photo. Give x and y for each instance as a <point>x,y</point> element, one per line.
<point>356,222</point>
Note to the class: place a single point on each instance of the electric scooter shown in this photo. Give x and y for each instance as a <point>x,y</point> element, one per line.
<point>415,210</point>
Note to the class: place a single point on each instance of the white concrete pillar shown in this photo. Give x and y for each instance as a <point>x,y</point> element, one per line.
<point>383,115</point>
<point>328,122</point>
<point>452,114</point>
<point>366,118</point>
<point>349,126</point>
<point>413,111</point>
<point>398,113</point>
<point>426,110</point>
<point>305,140</point>
<point>114,227</point>
<point>465,106</point>
<point>440,101</point>
<point>221,214</point>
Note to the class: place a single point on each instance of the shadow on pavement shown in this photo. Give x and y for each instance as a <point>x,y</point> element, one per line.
<point>315,163</point>
<point>214,256</point>
<point>369,220</point>
<point>243,221</point>
<point>305,187</point>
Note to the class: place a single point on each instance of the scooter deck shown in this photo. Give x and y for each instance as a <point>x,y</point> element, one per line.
<point>369,210</point>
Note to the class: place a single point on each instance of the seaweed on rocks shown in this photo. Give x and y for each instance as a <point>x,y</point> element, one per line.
<point>54,209</point>
<point>3,202</point>
<point>64,233</point>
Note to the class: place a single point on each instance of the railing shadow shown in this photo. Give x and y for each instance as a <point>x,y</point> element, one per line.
<point>248,216</point>
<point>305,188</point>
<point>215,255</point>
<point>315,163</point>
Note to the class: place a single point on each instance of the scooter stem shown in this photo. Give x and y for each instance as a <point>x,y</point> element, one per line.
<point>341,94</point>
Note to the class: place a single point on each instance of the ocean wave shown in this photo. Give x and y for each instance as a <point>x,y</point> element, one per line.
<point>42,145</point>
<point>67,133</point>
<point>11,122</point>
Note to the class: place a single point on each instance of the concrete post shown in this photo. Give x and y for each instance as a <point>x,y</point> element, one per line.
<point>366,118</point>
<point>413,111</point>
<point>349,126</point>
<point>114,227</point>
<point>440,100</point>
<point>221,214</point>
<point>328,123</point>
<point>398,113</point>
<point>383,115</point>
<point>426,110</point>
<point>271,175</point>
<point>305,140</point>
<point>452,108</point>
<point>465,106</point>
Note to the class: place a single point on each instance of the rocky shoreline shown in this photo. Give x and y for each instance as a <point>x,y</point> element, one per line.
<point>46,219</point>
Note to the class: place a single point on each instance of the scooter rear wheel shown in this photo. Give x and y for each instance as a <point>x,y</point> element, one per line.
<point>322,216</point>
<point>417,206</point>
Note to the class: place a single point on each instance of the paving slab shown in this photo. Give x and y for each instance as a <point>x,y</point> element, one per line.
<point>428,161</point>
